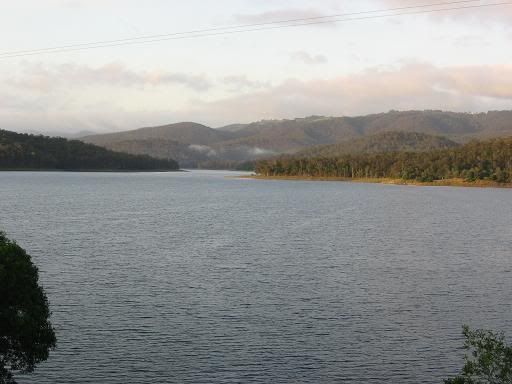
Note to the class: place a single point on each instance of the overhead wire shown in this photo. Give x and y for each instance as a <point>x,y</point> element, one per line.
<point>239,26</point>
<point>271,25</point>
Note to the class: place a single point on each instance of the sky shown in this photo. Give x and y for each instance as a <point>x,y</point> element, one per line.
<point>458,60</point>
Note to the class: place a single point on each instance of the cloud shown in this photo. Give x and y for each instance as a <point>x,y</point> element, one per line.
<point>81,3</point>
<point>27,116</point>
<point>464,12</point>
<point>493,81</point>
<point>46,77</point>
<point>308,58</point>
<point>500,13</point>
<point>238,83</point>
<point>412,86</point>
<point>256,151</point>
<point>209,151</point>
<point>471,41</point>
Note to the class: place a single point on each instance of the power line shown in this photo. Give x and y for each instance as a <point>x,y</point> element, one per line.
<point>234,27</point>
<point>251,28</point>
<point>204,32</point>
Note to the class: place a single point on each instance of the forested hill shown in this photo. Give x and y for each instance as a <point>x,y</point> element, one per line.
<point>476,160</point>
<point>195,144</point>
<point>24,151</point>
<point>394,141</point>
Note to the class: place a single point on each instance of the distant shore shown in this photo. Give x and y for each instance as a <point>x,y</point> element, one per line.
<point>91,170</point>
<point>438,183</point>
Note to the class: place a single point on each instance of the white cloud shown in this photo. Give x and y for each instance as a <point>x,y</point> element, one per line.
<point>308,58</point>
<point>46,77</point>
<point>413,86</point>
<point>467,10</point>
<point>377,89</point>
<point>256,151</point>
<point>239,83</point>
<point>209,151</point>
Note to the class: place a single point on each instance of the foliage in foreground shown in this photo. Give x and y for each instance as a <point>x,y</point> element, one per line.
<point>477,160</point>
<point>26,334</point>
<point>24,151</point>
<point>488,359</point>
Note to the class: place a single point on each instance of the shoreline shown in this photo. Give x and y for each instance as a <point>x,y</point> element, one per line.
<point>390,181</point>
<point>92,170</point>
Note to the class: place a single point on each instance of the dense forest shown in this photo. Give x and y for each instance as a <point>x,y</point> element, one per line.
<point>24,151</point>
<point>196,145</point>
<point>393,141</point>
<point>476,160</point>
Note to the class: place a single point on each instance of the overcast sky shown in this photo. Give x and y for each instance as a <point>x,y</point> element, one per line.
<point>454,60</point>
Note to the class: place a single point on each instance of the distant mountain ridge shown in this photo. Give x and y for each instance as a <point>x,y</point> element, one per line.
<point>185,132</point>
<point>26,151</point>
<point>195,144</point>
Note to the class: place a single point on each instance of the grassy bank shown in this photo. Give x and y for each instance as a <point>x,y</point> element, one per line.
<point>444,182</point>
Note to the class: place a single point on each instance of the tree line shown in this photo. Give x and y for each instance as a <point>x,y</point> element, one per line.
<point>390,141</point>
<point>476,160</point>
<point>25,151</point>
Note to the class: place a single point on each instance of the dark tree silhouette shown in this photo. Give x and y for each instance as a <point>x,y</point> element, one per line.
<point>23,151</point>
<point>26,334</point>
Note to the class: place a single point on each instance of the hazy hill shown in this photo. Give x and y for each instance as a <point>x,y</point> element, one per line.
<point>193,144</point>
<point>24,151</point>
<point>293,135</point>
<point>190,133</point>
<point>187,155</point>
<point>393,141</point>
<point>461,126</point>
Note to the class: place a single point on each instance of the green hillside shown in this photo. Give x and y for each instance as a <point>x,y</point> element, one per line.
<point>382,142</point>
<point>24,151</point>
<point>477,160</point>
<point>194,144</point>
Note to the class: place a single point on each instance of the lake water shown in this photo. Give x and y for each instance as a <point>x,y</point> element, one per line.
<point>199,278</point>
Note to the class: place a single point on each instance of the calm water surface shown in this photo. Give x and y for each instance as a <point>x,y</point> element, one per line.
<point>199,278</point>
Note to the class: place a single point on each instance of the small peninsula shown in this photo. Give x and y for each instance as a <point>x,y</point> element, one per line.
<point>477,163</point>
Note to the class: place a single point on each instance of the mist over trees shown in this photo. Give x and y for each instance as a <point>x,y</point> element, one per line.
<point>198,146</point>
